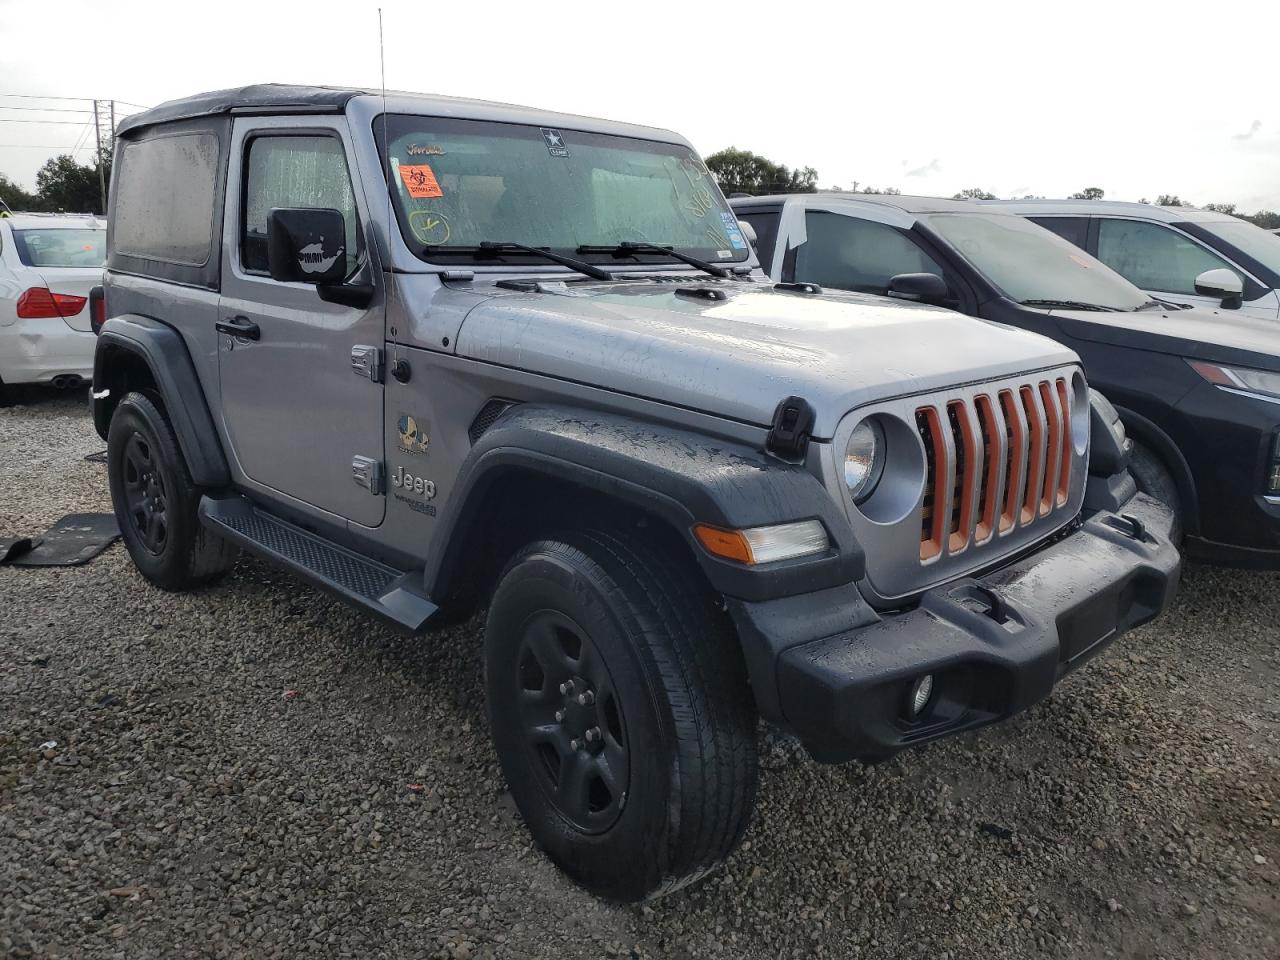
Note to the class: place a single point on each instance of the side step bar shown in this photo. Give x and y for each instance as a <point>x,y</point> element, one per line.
<point>390,593</point>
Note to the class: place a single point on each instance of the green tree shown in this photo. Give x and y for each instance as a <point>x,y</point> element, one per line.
<point>1227,208</point>
<point>1267,219</point>
<point>15,198</point>
<point>974,193</point>
<point>1169,200</point>
<point>1089,193</point>
<point>741,171</point>
<point>70,187</point>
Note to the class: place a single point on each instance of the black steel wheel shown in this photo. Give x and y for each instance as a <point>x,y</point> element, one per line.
<point>144,494</point>
<point>155,501</point>
<point>573,721</point>
<point>621,712</point>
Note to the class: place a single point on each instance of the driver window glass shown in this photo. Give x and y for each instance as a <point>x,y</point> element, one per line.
<point>1154,257</point>
<point>295,172</point>
<point>852,254</point>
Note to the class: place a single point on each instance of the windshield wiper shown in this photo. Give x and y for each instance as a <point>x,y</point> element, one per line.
<point>1069,305</point>
<point>639,246</point>
<point>495,248</point>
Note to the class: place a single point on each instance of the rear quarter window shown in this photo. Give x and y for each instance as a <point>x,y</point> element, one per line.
<point>164,198</point>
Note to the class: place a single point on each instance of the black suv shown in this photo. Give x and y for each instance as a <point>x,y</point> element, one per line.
<point>1198,390</point>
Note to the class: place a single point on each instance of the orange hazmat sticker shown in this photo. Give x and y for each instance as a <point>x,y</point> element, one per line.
<point>420,179</point>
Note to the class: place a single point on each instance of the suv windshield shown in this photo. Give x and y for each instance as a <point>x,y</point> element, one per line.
<point>1028,263</point>
<point>459,183</point>
<point>1249,239</point>
<point>61,247</point>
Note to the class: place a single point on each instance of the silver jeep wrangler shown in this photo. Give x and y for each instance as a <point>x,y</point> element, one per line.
<point>439,355</point>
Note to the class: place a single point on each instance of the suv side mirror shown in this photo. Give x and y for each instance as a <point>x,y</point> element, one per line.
<point>749,232</point>
<point>1223,284</point>
<point>918,287</point>
<point>306,245</point>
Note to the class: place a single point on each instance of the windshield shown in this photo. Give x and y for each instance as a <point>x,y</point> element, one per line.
<point>1027,262</point>
<point>459,183</point>
<point>59,247</point>
<point>1249,239</point>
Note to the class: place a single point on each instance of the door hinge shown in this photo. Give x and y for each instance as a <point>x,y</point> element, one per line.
<point>367,472</point>
<point>366,361</point>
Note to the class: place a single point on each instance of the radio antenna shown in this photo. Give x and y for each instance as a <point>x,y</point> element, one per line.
<point>386,147</point>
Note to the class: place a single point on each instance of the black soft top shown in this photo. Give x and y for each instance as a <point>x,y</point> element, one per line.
<point>257,98</point>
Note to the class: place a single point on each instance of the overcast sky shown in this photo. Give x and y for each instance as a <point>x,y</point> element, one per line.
<point>1139,98</point>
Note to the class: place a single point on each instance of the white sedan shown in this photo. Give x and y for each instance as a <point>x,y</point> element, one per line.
<point>48,265</point>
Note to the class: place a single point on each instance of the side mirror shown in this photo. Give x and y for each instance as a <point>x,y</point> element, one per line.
<point>1224,284</point>
<point>748,231</point>
<point>306,245</point>
<point>918,287</point>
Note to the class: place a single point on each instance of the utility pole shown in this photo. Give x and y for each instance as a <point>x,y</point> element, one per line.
<point>97,137</point>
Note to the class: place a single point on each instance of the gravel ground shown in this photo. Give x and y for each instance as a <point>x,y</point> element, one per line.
<point>256,770</point>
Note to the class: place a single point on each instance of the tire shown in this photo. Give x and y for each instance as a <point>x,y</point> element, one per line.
<point>1157,482</point>
<point>665,791</point>
<point>155,501</point>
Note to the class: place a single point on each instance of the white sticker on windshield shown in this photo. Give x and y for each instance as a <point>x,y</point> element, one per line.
<point>724,254</point>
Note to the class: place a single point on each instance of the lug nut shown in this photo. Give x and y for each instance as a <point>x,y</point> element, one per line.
<point>559,716</point>
<point>592,735</point>
<point>567,687</point>
<point>575,744</point>
<point>586,699</point>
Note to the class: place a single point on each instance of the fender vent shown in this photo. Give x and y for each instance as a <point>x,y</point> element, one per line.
<point>485,419</point>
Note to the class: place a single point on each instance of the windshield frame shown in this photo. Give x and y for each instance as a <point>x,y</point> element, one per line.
<point>445,258</point>
<point>930,222</point>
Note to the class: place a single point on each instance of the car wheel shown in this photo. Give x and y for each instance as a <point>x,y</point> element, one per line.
<point>156,503</point>
<point>1157,482</point>
<point>621,713</point>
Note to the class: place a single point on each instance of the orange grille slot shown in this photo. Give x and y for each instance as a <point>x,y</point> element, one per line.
<point>1016,473</point>
<point>1054,447</point>
<point>1064,474</point>
<point>1035,454</point>
<point>933,516</point>
<point>991,469</point>
<point>967,462</point>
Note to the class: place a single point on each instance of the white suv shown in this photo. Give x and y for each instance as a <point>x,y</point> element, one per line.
<point>1179,254</point>
<point>48,265</point>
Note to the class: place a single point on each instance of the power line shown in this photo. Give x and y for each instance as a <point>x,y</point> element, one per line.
<point>5,106</point>
<point>69,123</point>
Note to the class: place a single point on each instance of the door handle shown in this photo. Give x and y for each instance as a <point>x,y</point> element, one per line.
<point>241,327</point>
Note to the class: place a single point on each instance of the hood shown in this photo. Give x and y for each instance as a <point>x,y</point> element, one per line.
<point>740,356</point>
<point>1219,336</point>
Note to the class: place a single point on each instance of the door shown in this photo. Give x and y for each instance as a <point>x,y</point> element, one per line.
<point>295,411</point>
<point>1159,259</point>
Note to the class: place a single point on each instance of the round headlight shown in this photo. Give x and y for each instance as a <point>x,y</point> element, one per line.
<point>864,460</point>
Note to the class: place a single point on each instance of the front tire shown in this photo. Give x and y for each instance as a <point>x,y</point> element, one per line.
<point>621,713</point>
<point>1157,482</point>
<point>156,503</point>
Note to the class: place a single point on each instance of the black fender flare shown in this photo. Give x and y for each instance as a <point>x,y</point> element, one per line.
<point>165,354</point>
<point>1150,434</point>
<point>681,476</point>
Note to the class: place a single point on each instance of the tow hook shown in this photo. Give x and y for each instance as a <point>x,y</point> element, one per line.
<point>1130,526</point>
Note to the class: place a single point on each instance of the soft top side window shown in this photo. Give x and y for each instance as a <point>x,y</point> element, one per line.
<point>295,170</point>
<point>849,253</point>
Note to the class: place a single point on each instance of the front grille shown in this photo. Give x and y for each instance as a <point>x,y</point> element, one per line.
<point>995,462</point>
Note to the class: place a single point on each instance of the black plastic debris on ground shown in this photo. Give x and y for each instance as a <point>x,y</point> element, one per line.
<point>13,547</point>
<point>99,457</point>
<point>75,539</point>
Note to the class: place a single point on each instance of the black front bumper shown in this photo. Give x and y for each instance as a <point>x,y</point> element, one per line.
<point>994,644</point>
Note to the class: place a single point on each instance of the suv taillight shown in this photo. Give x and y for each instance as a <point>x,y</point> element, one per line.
<point>97,308</point>
<point>39,304</point>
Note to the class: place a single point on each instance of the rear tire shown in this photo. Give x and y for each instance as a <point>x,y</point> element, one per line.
<point>1157,482</point>
<point>664,790</point>
<point>156,503</point>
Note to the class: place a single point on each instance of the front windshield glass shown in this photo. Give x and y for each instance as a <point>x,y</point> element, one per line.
<point>1249,239</point>
<point>1027,262</point>
<point>462,182</point>
<point>61,247</point>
